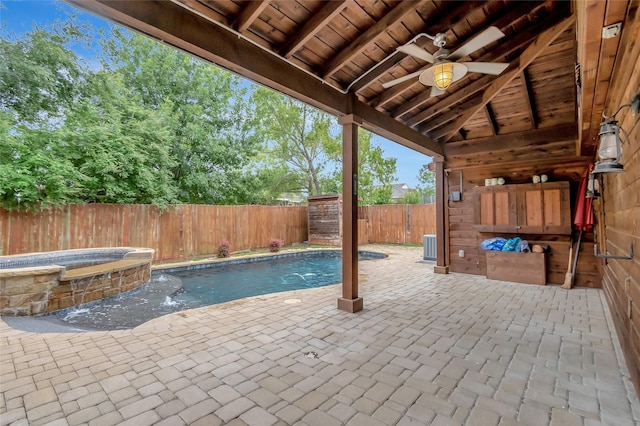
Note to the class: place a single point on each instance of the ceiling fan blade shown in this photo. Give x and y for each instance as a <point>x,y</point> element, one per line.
<point>401,79</point>
<point>493,68</point>
<point>486,37</point>
<point>418,52</point>
<point>435,91</point>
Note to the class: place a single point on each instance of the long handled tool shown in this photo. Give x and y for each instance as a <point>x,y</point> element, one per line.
<point>568,275</point>
<point>575,260</point>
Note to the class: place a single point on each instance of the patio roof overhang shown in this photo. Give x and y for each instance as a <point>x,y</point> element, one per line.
<point>336,56</point>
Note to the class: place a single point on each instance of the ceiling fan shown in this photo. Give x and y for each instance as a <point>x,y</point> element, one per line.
<point>444,69</point>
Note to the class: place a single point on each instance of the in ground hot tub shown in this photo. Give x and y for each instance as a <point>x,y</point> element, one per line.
<point>35,283</point>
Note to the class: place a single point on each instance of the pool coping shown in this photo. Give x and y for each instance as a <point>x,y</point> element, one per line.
<point>251,258</point>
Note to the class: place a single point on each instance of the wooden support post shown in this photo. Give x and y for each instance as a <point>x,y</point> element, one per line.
<point>349,301</point>
<point>442,266</point>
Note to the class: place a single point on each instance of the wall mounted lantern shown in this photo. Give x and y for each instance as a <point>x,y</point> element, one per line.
<point>610,150</point>
<point>593,187</point>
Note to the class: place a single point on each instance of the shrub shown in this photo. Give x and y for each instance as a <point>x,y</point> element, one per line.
<point>275,244</point>
<point>224,248</point>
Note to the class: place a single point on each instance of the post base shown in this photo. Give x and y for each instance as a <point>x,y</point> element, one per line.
<point>350,305</point>
<point>441,269</point>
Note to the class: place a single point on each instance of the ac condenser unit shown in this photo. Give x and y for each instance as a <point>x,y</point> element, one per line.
<point>429,247</point>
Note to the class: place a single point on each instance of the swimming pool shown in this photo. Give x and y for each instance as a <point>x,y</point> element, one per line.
<point>180,288</point>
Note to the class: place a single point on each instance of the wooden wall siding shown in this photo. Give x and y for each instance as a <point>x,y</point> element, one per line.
<point>463,237</point>
<point>325,220</point>
<point>619,208</point>
<point>181,232</point>
<point>396,223</point>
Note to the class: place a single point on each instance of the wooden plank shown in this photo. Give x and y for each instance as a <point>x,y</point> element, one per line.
<point>528,268</point>
<point>358,45</point>
<point>249,14</point>
<point>328,12</point>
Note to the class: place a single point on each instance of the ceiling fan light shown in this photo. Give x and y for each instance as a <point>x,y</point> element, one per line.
<point>443,75</point>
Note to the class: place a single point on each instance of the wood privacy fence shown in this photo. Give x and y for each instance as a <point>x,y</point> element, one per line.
<point>182,231</point>
<point>396,223</point>
<point>189,230</point>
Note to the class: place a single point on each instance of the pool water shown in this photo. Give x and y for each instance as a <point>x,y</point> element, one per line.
<point>180,289</point>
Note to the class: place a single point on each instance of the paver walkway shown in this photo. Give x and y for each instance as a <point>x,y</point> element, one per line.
<point>427,349</point>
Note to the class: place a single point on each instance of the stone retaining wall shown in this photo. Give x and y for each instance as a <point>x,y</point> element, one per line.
<point>39,289</point>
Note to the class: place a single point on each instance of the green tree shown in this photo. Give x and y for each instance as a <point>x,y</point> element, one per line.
<point>40,77</point>
<point>427,179</point>
<point>294,134</point>
<point>411,197</point>
<point>210,137</point>
<point>34,171</point>
<point>120,146</point>
<point>375,172</point>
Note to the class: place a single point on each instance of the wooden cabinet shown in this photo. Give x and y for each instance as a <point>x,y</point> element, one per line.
<point>527,208</point>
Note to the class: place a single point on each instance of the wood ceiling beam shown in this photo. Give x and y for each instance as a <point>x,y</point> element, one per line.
<point>393,92</point>
<point>457,110</point>
<point>528,56</point>
<point>200,9</point>
<point>491,119</point>
<point>457,97</point>
<point>526,92</point>
<point>513,141</point>
<point>361,43</point>
<point>320,19</point>
<point>249,14</point>
<point>194,33</point>
<point>549,162</point>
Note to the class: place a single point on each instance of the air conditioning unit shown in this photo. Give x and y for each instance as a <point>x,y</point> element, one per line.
<point>429,242</point>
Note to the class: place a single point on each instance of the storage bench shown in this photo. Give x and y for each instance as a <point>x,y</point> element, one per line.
<point>528,268</point>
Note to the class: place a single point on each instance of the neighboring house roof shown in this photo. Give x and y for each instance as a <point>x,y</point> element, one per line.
<point>399,190</point>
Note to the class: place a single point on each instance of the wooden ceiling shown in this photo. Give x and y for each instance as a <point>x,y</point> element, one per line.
<point>336,55</point>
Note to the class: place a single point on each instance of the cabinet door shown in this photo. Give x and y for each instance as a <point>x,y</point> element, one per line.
<point>530,209</point>
<point>495,209</point>
<point>484,209</point>
<point>557,209</point>
<point>544,208</point>
<point>505,213</point>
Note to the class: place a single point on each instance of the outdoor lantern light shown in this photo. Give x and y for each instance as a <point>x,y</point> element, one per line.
<point>443,75</point>
<point>610,149</point>
<point>593,187</point>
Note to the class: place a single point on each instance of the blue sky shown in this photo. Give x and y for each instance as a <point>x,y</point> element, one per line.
<point>19,16</point>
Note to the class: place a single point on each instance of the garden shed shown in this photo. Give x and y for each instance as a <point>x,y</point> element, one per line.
<point>325,220</point>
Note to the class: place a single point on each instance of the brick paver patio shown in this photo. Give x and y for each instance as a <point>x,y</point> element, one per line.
<point>427,349</point>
